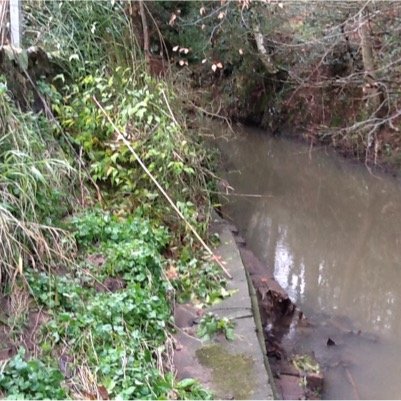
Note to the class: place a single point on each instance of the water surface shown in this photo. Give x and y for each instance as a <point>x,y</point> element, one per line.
<point>332,231</point>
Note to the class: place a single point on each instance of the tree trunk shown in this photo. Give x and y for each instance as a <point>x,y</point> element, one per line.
<point>371,88</point>
<point>263,54</point>
<point>145,31</point>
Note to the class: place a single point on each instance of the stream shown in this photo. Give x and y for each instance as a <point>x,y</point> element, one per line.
<point>331,230</point>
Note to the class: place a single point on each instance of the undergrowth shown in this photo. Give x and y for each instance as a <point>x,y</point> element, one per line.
<point>140,108</point>
<point>110,315</point>
<point>31,379</point>
<point>116,267</point>
<point>35,178</point>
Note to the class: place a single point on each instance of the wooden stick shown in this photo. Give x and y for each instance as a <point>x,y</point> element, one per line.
<point>164,193</point>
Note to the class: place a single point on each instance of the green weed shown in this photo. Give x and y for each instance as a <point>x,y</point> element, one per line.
<point>21,379</point>
<point>138,106</point>
<point>84,35</point>
<point>119,335</point>
<point>211,325</point>
<point>200,281</point>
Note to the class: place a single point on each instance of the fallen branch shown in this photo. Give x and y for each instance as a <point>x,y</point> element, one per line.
<point>164,193</point>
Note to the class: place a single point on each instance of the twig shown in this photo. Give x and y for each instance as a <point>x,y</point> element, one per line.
<point>169,108</point>
<point>217,115</point>
<point>352,381</point>
<point>180,329</point>
<point>96,279</point>
<point>241,195</point>
<point>164,193</point>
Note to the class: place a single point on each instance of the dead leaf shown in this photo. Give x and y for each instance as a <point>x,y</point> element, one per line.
<point>172,19</point>
<point>103,393</point>
<point>172,273</point>
<point>200,312</point>
<point>217,258</point>
<point>90,396</point>
<point>330,342</point>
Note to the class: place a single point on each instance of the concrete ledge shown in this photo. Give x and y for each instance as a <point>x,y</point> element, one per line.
<point>242,307</point>
<point>235,369</point>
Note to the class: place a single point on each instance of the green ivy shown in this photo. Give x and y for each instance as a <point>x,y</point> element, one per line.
<point>118,333</point>
<point>31,379</point>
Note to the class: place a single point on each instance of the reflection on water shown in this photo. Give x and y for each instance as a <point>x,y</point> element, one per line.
<point>332,232</point>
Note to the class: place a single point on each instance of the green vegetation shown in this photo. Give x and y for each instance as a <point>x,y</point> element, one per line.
<point>31,380</point>
<point>211,325</point>
<point>111,313</point>
<point>305,364</point>
<point>293,68</point>
<point>35,179</point>
<point>85,232</point>
<point>88,242</point>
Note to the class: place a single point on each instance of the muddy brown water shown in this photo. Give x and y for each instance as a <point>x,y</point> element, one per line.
<point>332,231</point>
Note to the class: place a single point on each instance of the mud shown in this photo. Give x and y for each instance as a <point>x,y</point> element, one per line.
<point>20,325</point>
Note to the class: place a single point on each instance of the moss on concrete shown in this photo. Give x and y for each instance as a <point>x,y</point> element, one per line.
<point>232,373</point>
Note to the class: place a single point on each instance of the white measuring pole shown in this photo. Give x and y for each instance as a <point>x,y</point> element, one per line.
<point>15,23</point>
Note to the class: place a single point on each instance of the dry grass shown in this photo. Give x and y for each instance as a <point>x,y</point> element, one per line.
<point>33,174</point>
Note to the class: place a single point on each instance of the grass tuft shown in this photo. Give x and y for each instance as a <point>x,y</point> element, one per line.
<point>34,174</point>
